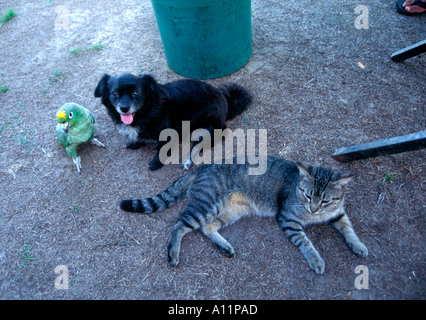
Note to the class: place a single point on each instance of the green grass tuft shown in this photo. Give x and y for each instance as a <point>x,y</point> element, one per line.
<point>77,50</point>
<point>7,16</point>
<point>388,177</point>
<point>73,52</point>
<point>97,47</point>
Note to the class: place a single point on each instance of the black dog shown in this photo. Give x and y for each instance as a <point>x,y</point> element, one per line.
<point>141,107</point>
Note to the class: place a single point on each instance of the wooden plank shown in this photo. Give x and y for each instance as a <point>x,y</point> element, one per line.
<point>409,142</point>
<point>409,52</point>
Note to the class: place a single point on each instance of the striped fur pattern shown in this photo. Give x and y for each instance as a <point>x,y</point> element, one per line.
<point>220,194</point>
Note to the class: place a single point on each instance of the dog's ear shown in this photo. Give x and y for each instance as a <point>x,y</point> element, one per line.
<point>102,87</point>
<point>151,87</point>
<point>150,83</point>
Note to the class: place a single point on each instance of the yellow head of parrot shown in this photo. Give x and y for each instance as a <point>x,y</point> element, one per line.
<point>61,116</point>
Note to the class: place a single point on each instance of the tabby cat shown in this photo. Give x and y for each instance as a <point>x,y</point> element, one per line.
<point>220,194</point>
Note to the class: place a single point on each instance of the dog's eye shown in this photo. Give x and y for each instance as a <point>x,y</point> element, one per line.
<point>114,94</point>
<point>136,93</point>
<point>70,116</point>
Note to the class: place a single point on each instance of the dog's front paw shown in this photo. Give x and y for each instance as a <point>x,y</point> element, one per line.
<point>155,164</point>
<point>187,166</point>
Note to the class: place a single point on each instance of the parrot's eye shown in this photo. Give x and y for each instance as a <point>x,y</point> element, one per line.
<point>70,116</point>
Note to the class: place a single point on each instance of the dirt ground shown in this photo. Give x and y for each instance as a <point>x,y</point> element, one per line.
<point>319,84</point>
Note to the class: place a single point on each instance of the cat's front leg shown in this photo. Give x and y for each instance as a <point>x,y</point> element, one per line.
<point>308,250</point>
<point>343,224</point>
<point>294,232</point>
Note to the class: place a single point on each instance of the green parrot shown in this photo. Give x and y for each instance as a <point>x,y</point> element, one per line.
<point>75,126</point>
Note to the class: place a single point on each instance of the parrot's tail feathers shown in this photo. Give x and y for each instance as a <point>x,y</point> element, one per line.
<point>175,193</point>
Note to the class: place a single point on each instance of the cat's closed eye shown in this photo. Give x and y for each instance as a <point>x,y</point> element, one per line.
<point>325,201</point>
<point>305,194</point>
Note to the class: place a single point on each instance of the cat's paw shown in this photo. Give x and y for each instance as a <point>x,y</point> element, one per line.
<point>228,251</point>
<point>172,259</point>
<point>359,249</point>
<point>317,264</point>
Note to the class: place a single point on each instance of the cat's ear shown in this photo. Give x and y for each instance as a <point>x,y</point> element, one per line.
<point>343,180</point>
<point>304,170</point>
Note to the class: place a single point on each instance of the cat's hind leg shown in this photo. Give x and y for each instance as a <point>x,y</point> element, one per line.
<point>236,206</point>
<point>179,230</point>
<point>192,218</point>
<point>211,232</point>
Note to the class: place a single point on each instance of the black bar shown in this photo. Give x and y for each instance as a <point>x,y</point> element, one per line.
<point>408,52</point>
<point>409,142</point>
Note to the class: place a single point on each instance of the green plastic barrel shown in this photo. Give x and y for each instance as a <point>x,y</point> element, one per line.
<point>205,39</point>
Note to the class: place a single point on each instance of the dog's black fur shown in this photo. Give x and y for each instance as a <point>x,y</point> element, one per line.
<point>149,107</point>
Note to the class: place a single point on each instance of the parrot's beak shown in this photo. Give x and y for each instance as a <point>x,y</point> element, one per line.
<point>66,126</point>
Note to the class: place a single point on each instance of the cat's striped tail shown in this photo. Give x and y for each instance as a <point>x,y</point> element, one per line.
<point>176,192</point>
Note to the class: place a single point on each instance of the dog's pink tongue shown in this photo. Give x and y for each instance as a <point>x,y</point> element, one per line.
<point>127,118</point>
